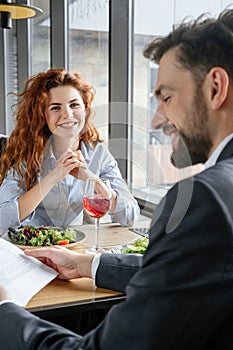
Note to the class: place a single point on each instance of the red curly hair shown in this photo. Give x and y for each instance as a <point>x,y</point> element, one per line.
<point>27,141</point>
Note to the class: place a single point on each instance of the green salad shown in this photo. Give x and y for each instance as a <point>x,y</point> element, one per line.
<point>42,236</point>
<point>138,247</point>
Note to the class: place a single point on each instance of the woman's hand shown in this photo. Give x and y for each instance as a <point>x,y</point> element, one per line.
<point>69,163</point>
<point>82,172</point>
<point>67,263</point>
<point>73,163</point>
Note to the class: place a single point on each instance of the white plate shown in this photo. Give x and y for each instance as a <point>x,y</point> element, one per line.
<point>79,237</point>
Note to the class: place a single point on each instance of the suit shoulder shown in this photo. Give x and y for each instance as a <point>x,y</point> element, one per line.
<point>218,176</point>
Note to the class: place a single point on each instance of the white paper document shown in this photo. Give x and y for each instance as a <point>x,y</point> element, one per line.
<point>21,275</point>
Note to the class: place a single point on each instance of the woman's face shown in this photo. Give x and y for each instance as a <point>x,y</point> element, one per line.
<point>65,111</point>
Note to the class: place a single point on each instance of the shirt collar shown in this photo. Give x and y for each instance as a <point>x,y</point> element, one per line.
<point>213,158</point>
<point>85,149</point>
<point>48,152</point>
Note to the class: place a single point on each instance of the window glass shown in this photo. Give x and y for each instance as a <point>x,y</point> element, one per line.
<point>88,51</point>
<point>40,38</point>
<point>39,55</point>
<point>11,76</point>
<point>152,172</point>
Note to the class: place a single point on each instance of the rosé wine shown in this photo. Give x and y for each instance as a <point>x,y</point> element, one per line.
<point>97,205</point>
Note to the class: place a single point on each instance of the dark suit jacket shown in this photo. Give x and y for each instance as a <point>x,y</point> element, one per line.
<point>182,295</point>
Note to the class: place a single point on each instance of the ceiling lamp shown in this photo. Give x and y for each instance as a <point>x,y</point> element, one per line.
<point>9,11</point>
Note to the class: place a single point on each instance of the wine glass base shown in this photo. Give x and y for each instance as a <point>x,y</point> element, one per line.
<point>94,250</point>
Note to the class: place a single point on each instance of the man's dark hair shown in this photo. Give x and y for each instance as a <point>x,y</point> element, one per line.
<point>200,45</point>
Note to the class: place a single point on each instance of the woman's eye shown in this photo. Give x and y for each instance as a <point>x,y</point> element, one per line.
<point>75,105</point>
<point>55,108</point>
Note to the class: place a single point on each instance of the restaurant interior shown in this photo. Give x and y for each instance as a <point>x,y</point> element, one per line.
<point>104,41</point>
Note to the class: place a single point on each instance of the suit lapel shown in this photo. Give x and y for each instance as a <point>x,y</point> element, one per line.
<point>227,151</point>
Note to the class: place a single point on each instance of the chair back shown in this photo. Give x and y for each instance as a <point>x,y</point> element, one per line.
<point>3,140</point>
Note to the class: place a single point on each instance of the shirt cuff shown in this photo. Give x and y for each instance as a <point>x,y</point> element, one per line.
<point>95,265</point>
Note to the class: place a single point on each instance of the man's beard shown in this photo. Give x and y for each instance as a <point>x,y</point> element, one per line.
<point>190,151</point>
<point>193,149</point>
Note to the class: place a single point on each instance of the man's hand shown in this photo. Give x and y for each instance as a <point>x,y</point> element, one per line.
<point>67,263</point>
<point>4,295</point>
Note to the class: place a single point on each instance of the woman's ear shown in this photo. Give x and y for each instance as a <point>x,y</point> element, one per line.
<point>219,85</point>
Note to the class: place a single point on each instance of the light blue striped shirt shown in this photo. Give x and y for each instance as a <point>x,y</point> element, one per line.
<point>63,206</point>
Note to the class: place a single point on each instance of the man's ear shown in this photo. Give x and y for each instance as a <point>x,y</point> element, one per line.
<point>219,85</point>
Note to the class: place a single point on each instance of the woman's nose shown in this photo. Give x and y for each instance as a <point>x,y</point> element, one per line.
<point>67,113</point>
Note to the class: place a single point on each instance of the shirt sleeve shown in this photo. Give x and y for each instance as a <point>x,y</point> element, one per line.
<point>95,265</point>
<point>9,193</point>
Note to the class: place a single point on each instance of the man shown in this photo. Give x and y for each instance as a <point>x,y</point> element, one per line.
<point>180,295</point>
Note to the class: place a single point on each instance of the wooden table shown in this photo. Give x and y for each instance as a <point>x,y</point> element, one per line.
<point>60,297</point>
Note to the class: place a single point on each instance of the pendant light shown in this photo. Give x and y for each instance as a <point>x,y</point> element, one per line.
<point>9,11</point>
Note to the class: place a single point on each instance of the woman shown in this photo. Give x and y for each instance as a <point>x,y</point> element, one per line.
<point>53,148</point>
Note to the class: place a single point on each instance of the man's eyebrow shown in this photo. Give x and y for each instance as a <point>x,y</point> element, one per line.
<point>157,93</point>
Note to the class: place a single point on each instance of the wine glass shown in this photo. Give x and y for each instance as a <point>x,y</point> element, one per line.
<point>96,202</point>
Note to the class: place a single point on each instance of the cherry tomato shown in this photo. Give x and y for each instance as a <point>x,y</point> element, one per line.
<point>63,242</point>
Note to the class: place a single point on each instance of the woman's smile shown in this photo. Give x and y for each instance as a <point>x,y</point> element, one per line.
<point>68,125</point>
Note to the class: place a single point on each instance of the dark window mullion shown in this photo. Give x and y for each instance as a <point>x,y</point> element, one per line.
<point>2,82</point>
<point>59,33</point>
<point>120,65</point>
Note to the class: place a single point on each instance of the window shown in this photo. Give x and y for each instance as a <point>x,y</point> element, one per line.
<point>40,38</point>
<point>11,76</point>
<point>152,172</point>
<point>88,52</point>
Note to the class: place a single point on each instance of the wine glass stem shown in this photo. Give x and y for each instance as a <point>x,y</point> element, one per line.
<point>97,228</point>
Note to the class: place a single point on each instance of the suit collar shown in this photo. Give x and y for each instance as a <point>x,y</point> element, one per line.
<point>227,151</point>
<point>217,155</point>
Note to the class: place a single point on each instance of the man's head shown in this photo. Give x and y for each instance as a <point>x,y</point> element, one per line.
<point>193,86</point>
